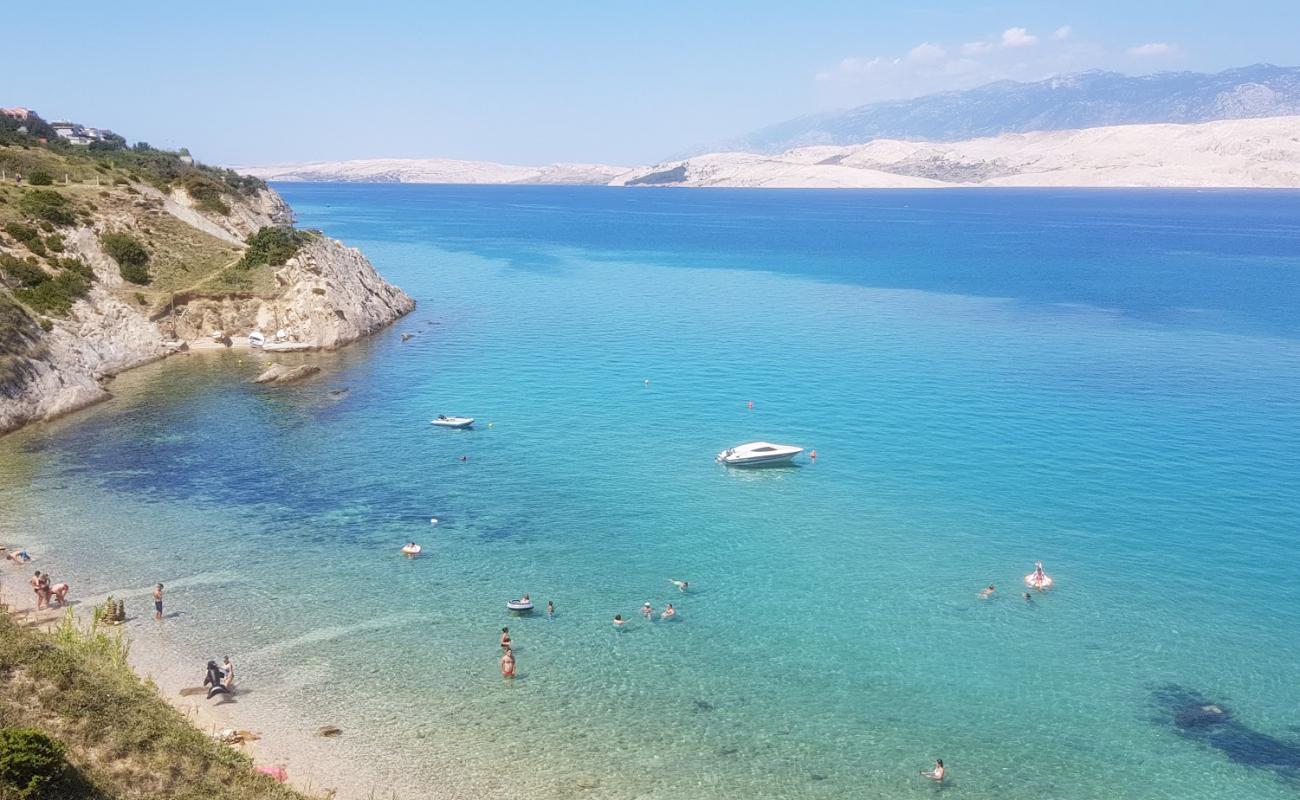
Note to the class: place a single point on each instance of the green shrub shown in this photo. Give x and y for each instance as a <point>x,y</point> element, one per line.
<point>31,763</point>
<point>40,177</point>
<point>273,246</point>
<point>206,193</point>
<point>131,257</point>
<point>56,295</point>
<point>23,233</point>
<point>48,205</point>
<point>54,243</point>
<point>21,273</point>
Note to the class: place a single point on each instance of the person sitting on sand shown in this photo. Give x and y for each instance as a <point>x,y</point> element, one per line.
<point>228,667</point>
<point>60,593</point>
<point>508,664</point>
<point>669,612</point>
<point>213,680</point>
<point>935,774</point>
<point>505,638</point>
<point>681,585</point>
<point>986,593</point>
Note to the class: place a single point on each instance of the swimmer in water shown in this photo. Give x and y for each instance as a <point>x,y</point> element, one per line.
<point>669,612</point>
<point>681,585</point>
<point>1028,597</point>
<point>647,611</point>
<point>508,664</point>
<point>619,622</point>
<point>986,593</point>
<point>505,638</point>
<point>550,609</point>
<point>935,774</point>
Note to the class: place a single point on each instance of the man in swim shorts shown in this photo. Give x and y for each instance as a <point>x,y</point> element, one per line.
<point>508,664</point>
<point>157,602</point>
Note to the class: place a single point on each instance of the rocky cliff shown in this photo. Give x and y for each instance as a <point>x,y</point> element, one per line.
<point>55,360</point>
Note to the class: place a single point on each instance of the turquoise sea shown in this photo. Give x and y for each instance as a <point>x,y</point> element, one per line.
<point>1108,381</point>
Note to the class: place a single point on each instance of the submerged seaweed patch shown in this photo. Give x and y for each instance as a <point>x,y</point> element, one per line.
<point>1195,717</point>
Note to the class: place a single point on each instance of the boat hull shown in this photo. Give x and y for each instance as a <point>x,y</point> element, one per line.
<point>761,461</point>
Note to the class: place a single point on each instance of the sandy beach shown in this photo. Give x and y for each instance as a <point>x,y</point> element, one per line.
<point>316,765</point>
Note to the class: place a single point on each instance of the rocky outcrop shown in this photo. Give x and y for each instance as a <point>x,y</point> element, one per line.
<point>327,296</point>
<point>278,374</point>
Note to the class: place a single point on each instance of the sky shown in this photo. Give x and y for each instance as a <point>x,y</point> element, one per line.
<point>614,81</point>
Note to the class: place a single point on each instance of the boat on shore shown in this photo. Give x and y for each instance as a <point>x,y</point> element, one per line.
<point>758,454</point>
<point>443,421</point>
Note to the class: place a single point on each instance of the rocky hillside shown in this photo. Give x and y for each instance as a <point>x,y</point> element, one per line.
<point>1253,153</point>
<point>116,258</point>
<point>1079,100</point>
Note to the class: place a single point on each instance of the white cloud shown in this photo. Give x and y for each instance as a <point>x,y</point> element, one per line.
<point>926,53</point>
<point>1018,37</point>
<point>1062,33</point>
<point>1153,50</point>
<point>977,48</point>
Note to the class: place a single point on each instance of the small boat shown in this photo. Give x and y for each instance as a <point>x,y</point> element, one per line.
<point>522,605</point>
<point>452,422</point>
<point>754,454</point>
<point>256,339</point>
<point>411,549</point>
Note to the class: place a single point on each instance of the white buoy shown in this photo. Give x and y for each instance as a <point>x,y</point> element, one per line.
<point>433,520</point>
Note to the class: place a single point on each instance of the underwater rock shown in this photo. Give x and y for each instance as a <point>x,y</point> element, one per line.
<point>1195,717</point>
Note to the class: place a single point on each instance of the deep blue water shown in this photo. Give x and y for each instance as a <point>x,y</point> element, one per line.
<point>1104,380</point>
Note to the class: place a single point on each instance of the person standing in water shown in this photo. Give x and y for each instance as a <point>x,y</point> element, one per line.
<point>505,638</point>
<point>508,664</point>
<point>228,667</point>
<point>157,602</point>
<point>937,773</point>
<point>669,612</point>
<point>647,611</point>
<point>619,622</point>
<point>550,609</point>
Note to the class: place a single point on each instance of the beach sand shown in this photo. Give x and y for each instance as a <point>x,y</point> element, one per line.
<point>316,765</point>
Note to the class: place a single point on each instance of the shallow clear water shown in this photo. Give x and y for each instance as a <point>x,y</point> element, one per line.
<point>1102,380</point>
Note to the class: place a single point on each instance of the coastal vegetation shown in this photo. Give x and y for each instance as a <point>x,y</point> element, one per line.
<point>131,257</point>
<point>272,246</point>
<point>77,722</point>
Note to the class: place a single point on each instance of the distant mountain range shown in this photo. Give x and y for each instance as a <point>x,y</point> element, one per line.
<point>433,170</point>
<point>1252,153</point>
<point>1080,100</point>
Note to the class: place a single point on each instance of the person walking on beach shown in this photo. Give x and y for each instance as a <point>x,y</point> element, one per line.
<point>937,773</point>
<point>35,583</point>
<point>508,664</point>
<point>157,602</point>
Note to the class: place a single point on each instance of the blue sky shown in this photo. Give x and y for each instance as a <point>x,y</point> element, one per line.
<point>534,82</point>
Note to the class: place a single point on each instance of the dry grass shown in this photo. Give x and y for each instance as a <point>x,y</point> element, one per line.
<point>123,740</point>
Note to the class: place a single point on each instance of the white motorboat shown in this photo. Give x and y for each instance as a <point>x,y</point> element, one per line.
<point>520,606</point>
<point>452,422</point>
<point>256,339</point>
<point>755,454</point>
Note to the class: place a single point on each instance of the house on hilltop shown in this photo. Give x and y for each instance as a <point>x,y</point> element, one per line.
<point>73,133</point>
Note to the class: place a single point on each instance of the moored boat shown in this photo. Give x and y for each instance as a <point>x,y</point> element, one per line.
<point>756,454</point>
<point>443,421</point>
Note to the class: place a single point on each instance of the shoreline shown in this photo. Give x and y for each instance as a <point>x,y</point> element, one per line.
<point>314,765</point>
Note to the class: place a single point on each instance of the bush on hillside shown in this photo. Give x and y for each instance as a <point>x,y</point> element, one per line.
<point>23,233</point>
<point>131,257</point>
<point>273,246</point>
<point>206,193</point>
<point>48,205</point>
<point>19,273</point>
<point>40,177</point>
<point>32,763</point>
<point>56,295</point>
